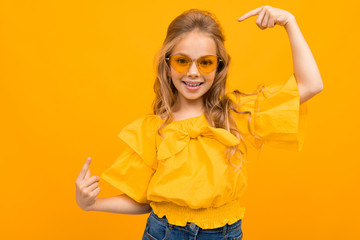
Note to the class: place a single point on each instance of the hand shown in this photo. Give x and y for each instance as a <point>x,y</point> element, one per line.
<point>86,188</point>
<point>269,16</point>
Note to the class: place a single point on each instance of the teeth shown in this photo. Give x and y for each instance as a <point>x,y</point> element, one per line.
<point>192,85</point>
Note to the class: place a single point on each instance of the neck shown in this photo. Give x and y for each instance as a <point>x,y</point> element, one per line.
<point>191,107</point>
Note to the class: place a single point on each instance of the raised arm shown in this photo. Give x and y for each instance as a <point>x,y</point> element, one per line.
<point>306,72</point>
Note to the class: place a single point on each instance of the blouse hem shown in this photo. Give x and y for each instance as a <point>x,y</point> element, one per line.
<point>205,218</point>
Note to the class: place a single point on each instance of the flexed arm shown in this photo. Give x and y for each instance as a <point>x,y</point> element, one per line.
<point>306,71</point>
<point>87,190</point>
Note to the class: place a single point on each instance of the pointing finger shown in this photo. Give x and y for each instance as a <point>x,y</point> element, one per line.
<point>87,174</point>
<point>84,169</point>
<point>250,14</point>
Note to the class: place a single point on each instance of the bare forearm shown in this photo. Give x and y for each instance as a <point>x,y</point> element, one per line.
<point>305,68</point>
<point>122,204</point>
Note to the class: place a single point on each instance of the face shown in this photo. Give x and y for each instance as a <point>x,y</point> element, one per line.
<point>194,45</point>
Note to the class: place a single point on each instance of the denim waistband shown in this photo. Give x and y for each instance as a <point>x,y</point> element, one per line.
<point>223,229</point>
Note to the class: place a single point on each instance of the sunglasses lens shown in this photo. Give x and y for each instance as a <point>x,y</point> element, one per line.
<point>180,62</point>
<point>207,64</point>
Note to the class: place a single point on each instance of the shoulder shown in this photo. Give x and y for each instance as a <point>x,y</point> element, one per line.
<point>145,120</point>
<point>146,124</point>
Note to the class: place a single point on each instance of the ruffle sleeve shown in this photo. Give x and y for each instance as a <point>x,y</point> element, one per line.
<point>276,116</point>
<point>133,169</point>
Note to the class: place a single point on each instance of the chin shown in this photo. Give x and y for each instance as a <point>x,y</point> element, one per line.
<point>193,98</point>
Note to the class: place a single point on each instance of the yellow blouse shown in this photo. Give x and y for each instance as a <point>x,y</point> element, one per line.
<point>185,175</point>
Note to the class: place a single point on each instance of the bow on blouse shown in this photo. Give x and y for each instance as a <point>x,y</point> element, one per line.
<point>178,140</point>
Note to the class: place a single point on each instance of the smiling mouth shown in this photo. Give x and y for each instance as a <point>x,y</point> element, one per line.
<point>192,85</point>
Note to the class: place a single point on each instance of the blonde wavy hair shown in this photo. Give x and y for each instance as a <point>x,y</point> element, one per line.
<point>218,105</point>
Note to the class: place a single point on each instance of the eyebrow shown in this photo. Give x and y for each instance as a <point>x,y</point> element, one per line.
<point>180,53</point>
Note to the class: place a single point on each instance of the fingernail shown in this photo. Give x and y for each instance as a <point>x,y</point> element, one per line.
<point>89,158</point>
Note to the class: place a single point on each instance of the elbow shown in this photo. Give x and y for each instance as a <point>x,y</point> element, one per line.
<point>317,88</point>
<point>148,209</point>
<point>308,93</point>
<point>321,87</point>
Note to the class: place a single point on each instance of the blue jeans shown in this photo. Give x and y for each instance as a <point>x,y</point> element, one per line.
<point>160,229</point>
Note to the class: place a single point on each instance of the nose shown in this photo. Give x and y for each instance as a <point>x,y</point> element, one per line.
<point>193,70</point>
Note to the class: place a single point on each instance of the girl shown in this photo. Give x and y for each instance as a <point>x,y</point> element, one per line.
<point>183,163</point>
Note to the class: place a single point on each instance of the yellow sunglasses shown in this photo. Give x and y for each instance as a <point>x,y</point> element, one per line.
<point>205,64</point>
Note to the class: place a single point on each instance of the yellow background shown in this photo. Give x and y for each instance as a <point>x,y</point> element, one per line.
<point>73,73</point>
